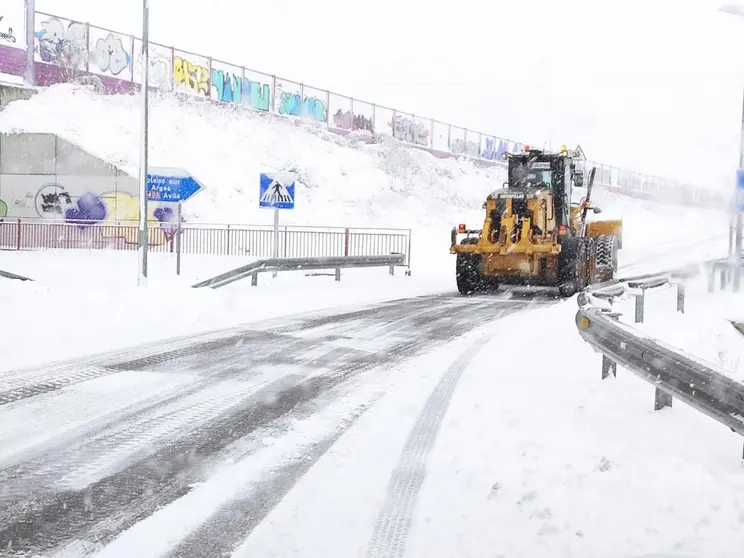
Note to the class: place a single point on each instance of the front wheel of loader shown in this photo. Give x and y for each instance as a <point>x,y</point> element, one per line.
<point>571,266</point>
<point>607,247</point>
<point>467,270</point>
<point>467,273</point>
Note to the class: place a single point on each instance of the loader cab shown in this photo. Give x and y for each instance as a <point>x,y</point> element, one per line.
<point>536,169</point>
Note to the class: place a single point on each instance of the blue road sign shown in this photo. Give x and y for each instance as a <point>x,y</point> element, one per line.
<point>165,184</point>
<point>277,190</point>
<point>740,190</point>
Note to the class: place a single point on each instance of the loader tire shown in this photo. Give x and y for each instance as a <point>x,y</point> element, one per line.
<point>591,261</point>
<point>571,266</point>
<point>467,273</point>
<point>467,270</point>
<point>607,263</point>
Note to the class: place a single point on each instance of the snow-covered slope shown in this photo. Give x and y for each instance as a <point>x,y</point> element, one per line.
<point>343,181</point>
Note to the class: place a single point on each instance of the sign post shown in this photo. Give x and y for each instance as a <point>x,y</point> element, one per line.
<point>142,265</point>
<point>178,239</point>
<point>276,190</point>
<point>172,185</point>
<point>739,207</point>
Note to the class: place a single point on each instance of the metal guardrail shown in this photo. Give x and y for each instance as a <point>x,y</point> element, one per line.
<point>294,264</point>
<point>9,275</point>
<point>673,374</point>
<point>206,239</point>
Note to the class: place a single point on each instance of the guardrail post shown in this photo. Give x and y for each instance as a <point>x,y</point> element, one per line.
<point>392,270</point>
<point>338,274</point>
<point>639,302</point>
<point>254,280</point>
<point>681,297</point>
<point>712,279</point>
<point>609,366</point>
<point>724,276</point>
<point>661,400</point>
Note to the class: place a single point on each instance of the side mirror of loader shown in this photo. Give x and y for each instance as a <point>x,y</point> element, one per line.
<point>597,209</point>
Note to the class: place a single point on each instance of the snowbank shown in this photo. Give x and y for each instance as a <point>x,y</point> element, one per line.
<point>705,330</point>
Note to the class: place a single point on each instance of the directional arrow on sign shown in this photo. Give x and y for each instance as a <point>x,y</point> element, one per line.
<point>168,184</point>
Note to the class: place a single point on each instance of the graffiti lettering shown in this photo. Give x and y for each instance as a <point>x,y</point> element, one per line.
<point>63,45</point>
<point>227,86</point>
<point>465,148</point>
<point>3,210</point>
<point>110,55</point>
<point>406,129</point>
<point>230,88</point>
<point>346,120</point>
<point>493,150</point>
<point>190,75</point>
<point>9,35</point>
<point>52,200</point>
<point>292,104</point>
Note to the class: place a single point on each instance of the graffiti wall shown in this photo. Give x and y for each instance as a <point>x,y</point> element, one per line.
<point>160,67</point>
<point>406,128</point>
<point>110,53</point>
<point>57,181</point>
<point>295,99</point>
<point>191,74</point>
<point>66,50</point>
<point>61,42</point>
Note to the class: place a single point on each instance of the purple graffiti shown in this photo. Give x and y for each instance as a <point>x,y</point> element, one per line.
<point>90,210</point>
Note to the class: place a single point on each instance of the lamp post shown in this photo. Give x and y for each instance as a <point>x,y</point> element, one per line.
<point>737,10</point>
<point>142,249</point>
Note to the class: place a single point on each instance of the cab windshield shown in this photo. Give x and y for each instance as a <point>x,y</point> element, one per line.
<point>531,174</point>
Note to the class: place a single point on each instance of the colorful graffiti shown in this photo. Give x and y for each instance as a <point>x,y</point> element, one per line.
<point>463,147</point>
<point>346,120</point>
<point>406,129</point>
<point>3,210</point>
<point>495,147</point>
<point>102,211</point>
<point>231,88</point>
<point>293,105</point>
<point>110,55</point>
<point>191,76</point>
<point>62,44</point>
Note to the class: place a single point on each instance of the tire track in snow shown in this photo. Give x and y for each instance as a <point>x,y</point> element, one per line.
<point>120,500</point>
<point>390,533</point>
<point>235,521</point>
<point>21,386</point>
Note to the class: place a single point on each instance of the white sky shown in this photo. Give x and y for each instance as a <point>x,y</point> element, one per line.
<point>651,85</point>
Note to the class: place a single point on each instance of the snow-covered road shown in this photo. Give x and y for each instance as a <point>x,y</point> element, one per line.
<point>435,426</point>
<point>92,448</point>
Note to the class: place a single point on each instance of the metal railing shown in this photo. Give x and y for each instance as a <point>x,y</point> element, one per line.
<point>674,374</point>
<point>217,240</point>
<point>301,264</point>
<point>83,52</point>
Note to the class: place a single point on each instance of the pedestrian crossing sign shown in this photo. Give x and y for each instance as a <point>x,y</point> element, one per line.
<point>277,190</point>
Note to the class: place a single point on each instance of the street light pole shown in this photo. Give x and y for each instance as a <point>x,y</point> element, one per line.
<point>737,212</point>
<point>142,256</point>
<point>737,10</point>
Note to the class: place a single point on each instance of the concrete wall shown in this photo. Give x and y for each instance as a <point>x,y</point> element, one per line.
<point>43,176</point>
<point>9,93</point>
